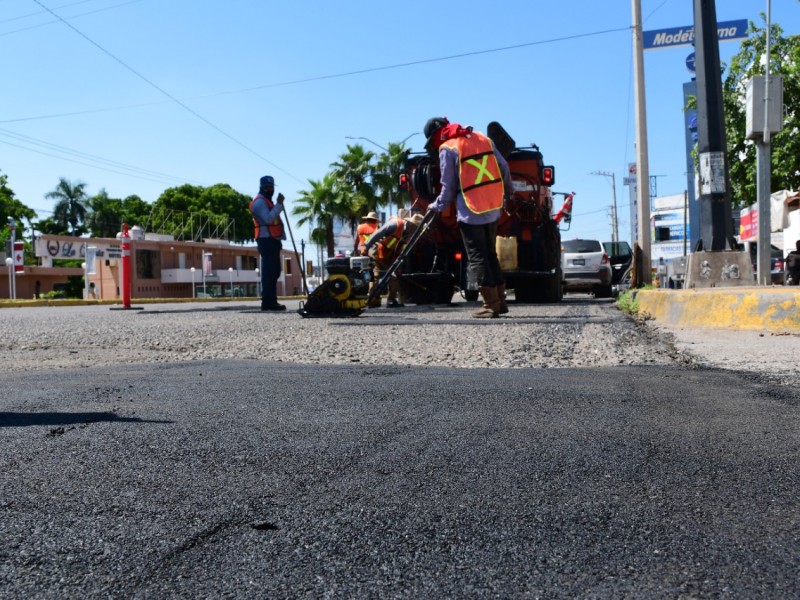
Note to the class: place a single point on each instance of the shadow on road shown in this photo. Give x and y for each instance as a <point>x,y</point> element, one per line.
<point>23,419</point>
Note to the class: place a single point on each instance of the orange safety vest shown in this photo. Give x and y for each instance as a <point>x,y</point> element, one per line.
<point>479,172</point>
<point>387,247</point>
<point>363,233</point>
<point>275,228</point>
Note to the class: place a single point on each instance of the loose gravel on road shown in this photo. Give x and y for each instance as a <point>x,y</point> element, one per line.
<point>578,332</point>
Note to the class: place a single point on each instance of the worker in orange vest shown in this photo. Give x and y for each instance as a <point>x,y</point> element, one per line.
<point>476,177</point>
<point>369,225</point>
<point>269,235</point>
<point>384,246</point>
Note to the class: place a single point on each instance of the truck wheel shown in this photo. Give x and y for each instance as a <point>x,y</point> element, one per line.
<point>551,290</point>
<point>604,292</point>
<point>524,291</point>
<point>471,295</point>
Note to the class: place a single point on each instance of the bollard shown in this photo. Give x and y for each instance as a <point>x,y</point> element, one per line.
<point>126,267</point>
<point>125,270</point>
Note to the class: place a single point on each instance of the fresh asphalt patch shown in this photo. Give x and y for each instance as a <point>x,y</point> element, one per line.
<point>253,479</point>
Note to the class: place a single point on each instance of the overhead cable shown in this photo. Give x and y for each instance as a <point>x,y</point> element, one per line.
<point>167,94</point>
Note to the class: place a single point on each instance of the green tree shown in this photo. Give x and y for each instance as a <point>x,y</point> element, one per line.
<point>135,211</point>
<point>785,145</point>
<point>319,207</point>
<point>10,206</point>
<point>194,212</point>
<point>386,176</point>
<point>104,215</point>
<point>222,200</point>
<point>355,169</point>
<point>70,210</point>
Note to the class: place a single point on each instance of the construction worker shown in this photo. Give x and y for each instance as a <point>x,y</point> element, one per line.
<point>383,247</point>
<point>476,176</point>
<point>369,225</point>
<point>269,234</point>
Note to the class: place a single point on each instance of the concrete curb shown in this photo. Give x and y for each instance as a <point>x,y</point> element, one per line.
<point>774,309</point>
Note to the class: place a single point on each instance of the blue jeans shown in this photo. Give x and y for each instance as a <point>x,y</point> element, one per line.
<point>270,251</point>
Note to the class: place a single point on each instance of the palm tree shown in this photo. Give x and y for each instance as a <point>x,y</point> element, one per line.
<point>70,209</point>
<point>390,165</point>
<point>355,170</point>
<point>319,206</point>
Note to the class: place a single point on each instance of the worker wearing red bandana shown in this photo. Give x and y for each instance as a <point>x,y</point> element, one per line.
<point>476,177</point>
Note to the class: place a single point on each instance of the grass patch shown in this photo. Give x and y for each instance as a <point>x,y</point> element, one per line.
<point>628,303</point>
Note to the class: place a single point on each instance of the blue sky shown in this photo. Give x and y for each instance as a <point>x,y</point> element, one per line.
<point>136,96</point>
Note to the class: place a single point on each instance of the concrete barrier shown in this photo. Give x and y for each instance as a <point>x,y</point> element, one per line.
<point>774,309</point>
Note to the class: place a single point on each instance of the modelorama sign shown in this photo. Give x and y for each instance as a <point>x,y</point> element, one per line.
<point>684,36</point>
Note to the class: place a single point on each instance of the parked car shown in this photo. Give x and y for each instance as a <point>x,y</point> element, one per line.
<point>620,255</point>
<point>586,267</point>
<point>777,275</point>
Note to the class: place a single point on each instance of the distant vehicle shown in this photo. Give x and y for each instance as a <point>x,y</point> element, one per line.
<point>777,270</point>
<point>586,267</point>
<point>620,255</point>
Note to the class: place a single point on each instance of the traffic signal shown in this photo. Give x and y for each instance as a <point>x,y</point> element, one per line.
<point>548,176</point>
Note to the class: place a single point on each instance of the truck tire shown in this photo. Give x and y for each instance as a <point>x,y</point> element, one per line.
<point>604,292</point>
<point>551,288</point>
<point>525,291</point>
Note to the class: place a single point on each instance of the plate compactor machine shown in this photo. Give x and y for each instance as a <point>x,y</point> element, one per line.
<point>344,293</point>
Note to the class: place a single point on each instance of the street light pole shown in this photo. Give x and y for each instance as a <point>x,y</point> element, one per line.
<point>366,139</point>
<point>205,289</point>
<point>230,272</point>
<point>194,288</point>
<point>350,137</point>
<point>614,222</point>
<point>10,265</point>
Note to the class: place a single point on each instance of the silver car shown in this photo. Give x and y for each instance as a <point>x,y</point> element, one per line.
<point>586,267</point>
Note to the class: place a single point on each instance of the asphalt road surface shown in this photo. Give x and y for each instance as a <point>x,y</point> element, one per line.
<point>252,479</point>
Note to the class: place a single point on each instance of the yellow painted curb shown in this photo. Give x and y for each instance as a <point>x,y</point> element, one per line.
<point>764,309</point>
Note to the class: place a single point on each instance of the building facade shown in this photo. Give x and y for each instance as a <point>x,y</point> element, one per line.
<point>160,267</point>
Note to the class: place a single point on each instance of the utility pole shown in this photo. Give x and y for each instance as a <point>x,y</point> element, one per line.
<point>715,204</point>
<point>614,221</point>
<point>642,169</point>
<point>763,177</point>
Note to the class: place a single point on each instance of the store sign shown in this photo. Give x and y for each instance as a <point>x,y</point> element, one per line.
<point>748,224</point>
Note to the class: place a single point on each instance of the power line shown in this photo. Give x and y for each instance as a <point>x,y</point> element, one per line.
<point>333,75</point>
<point>167,94</point>
<point>91,157</point>
<point>83,163</point>
<point>91,12</point>
<point>20,17</point>
<point>423,61</point>
<point>82,112</point>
